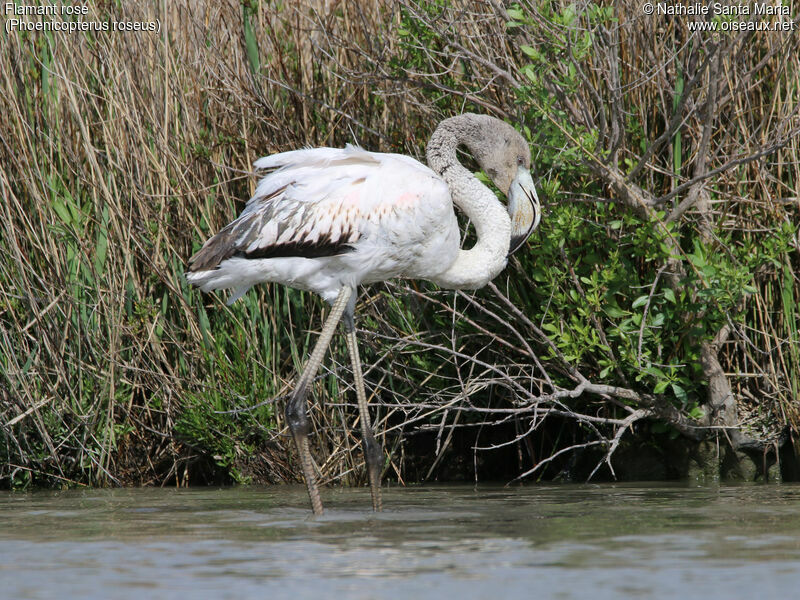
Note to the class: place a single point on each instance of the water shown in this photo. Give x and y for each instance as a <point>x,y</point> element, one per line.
<point>568,541</point>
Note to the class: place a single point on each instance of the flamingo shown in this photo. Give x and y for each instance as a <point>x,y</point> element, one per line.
<point>327,219</point>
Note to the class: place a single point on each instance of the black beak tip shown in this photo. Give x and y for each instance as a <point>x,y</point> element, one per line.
<point>516,243</point>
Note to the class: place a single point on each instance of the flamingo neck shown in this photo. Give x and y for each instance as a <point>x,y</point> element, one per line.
<point>476,267</point>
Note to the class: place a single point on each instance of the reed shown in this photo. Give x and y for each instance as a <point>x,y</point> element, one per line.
<point>122,152</point>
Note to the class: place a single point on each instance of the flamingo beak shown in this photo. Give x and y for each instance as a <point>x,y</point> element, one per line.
<point>524,209</point>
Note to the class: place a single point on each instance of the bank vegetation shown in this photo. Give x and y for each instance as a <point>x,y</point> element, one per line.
<point>649,329</point>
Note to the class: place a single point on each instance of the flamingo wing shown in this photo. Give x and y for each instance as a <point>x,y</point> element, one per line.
<point>316,203</point>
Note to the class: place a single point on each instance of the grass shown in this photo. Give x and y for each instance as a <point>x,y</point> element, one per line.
<point>122,153</point>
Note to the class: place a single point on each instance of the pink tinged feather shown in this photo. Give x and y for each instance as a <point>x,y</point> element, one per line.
<point>406,201</point>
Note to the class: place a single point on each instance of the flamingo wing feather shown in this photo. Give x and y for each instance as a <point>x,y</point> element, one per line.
<point>317,202</point>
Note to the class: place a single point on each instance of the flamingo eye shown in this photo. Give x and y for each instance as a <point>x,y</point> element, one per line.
<point>520,161</point>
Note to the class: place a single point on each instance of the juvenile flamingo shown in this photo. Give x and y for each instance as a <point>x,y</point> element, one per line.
<point>327,219</point>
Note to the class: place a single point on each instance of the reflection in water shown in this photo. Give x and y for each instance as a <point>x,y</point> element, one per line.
<point>598,541</point>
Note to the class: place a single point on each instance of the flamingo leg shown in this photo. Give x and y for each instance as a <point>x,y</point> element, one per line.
<point>297,407</point>
<point>373,453</point>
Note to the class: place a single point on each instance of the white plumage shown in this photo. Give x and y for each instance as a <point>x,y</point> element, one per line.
<point>326,220</point>
<point>350,216</point>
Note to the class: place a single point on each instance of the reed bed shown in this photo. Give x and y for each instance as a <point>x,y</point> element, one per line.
<point>122,152</point>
